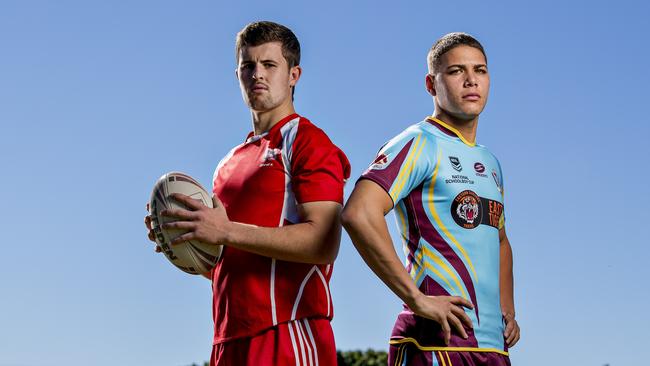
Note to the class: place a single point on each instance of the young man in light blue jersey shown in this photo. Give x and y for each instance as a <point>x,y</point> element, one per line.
<point>447,192</point>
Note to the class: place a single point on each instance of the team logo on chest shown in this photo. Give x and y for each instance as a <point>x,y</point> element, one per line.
<point>466,209</point>
<point>455,163</point>
<point>270,155</point>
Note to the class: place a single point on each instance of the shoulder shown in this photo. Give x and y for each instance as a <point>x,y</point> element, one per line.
<point>416,137</point>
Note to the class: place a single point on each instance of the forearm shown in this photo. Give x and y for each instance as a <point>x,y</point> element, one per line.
<point>371,238</point>
<point>506,280</point>
<point>305,242</point>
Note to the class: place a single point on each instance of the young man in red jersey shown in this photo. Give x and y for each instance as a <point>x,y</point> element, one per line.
<point>277,199</point>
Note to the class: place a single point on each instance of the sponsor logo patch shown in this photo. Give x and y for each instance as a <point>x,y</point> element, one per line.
<point>455,163</point>
<point>380,162</point>
<point>479,168</point>
<point>466,209</point>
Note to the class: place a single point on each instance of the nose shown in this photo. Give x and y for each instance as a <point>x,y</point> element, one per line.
<point>258,73</point>
<point>471,79</point>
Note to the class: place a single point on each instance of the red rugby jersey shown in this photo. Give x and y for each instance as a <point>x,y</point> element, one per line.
<point>260,182</point>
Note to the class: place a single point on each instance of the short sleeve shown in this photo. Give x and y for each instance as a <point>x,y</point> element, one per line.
<point>319,169</point>
<point>403,164</point>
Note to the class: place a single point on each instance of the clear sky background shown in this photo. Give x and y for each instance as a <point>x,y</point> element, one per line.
<point>100,98</point>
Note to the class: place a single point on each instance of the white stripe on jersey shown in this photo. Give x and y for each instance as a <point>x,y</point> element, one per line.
<point>327,288</point>
<point>274,313</point>
<point>311,338</point>
<point>302,334</point>
<point>289,209</point>
<point>302,287</point>
<point>293,343</point>
<point>302,346</point>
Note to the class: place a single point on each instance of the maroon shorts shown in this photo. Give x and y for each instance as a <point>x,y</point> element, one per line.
<point>303,342</point>
<point>408,354</point>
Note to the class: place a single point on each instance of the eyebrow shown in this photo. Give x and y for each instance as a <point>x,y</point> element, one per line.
<point>462,66</point>
<point>243,61</point>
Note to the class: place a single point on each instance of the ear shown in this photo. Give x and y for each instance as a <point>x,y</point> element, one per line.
<point>429,83</point>
<point>294,75</point>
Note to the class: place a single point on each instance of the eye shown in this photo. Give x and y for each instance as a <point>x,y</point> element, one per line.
<point>481,70</point>
<point>455,71</point>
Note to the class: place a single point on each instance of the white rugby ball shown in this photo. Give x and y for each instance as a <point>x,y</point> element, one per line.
<point>190,256</point>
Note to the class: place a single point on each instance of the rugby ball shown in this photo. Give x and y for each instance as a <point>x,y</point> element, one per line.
<point>190,256</point>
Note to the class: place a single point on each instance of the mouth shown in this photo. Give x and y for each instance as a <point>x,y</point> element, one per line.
<point>259,88</point>
<point>472,97</point>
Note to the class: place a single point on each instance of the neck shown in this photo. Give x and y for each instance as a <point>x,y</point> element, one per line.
<point>265,120</point>
<point>467,128</point>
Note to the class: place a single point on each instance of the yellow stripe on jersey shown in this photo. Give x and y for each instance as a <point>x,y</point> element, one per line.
<point>432,255</point>
<point>442,359</point>
<point>404,175</point>
<point>448,360</point>
<point>452,129</point>
<point>432,208</point>
<point>402,219</point>
<point>428,266</point>
<point>446,349</point>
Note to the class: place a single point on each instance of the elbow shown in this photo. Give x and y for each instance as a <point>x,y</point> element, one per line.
<point>349,218</point>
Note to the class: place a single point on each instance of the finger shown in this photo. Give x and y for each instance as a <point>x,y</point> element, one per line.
<point>446,330</point>
<point>147,222</point>
<point>185,225</point>
<point>513,336</point>
<point>456,323</point>
<point>158,250</point>
<point>187,201</point>
<point>457,300</point>
<point>184,237</point>
<point>151,235</point>
<point>460,313</point>
<point>508,330</point>
<point>147,206</point>
<point>178,213</point>
<point>517,337</point>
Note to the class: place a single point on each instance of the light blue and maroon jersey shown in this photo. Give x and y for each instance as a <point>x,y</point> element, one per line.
<point>448,198</point>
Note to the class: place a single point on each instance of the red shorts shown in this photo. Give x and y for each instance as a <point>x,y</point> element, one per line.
<point>303,342</point>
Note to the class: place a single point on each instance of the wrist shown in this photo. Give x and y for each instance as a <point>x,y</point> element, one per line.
<point>412,300</point>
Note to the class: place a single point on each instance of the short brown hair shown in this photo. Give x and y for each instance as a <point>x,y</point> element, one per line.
<point>257,33</point>
<point>448,42</point>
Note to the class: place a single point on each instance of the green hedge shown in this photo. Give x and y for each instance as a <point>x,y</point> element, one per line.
<point>369,357</point>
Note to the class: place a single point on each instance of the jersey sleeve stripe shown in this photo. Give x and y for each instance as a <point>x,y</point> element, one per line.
<point>410,164</point>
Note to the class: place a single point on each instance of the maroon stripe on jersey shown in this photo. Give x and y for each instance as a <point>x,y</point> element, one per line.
<point>442,128</point>
<point>413,232</point>
<point>431,235</point>
<point>386,176</point>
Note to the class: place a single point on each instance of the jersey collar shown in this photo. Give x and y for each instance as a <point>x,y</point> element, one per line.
<point>252,137</point>
<point>449,130</point>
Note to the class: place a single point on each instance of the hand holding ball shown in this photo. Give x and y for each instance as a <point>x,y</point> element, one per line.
<point>190,256</point>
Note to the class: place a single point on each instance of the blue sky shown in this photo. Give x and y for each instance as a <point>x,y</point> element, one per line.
<point>100,98</point>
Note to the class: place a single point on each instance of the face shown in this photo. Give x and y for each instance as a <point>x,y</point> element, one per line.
<point>264,76</point>
<point>461,83</point>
